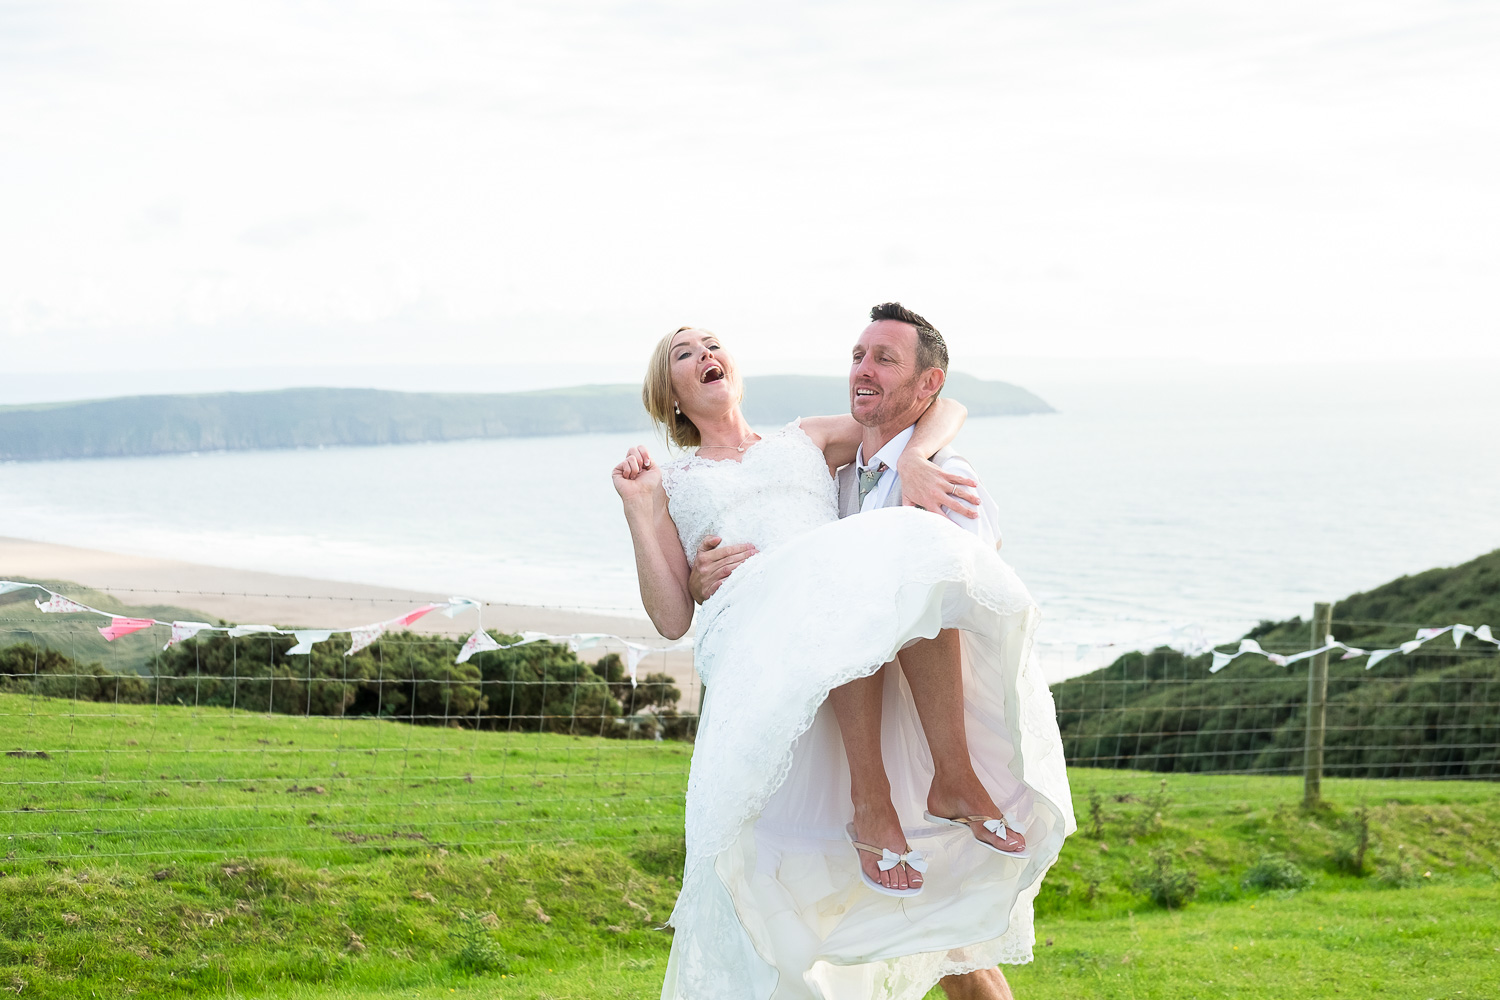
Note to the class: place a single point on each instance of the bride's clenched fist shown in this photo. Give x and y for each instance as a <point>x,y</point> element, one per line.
<point>638,476</point>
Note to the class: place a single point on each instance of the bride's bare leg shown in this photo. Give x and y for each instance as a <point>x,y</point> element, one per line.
<point>857,708</point>
<point>934,672</point>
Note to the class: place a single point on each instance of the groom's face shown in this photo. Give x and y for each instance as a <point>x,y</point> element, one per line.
<point>884,384</point>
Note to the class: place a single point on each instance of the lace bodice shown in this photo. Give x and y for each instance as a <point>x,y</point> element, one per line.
<point>780,489</point>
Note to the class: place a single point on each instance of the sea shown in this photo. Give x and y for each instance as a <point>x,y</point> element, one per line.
<point>1164,502</point>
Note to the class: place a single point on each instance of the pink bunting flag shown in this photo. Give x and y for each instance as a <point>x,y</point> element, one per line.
<point>124,626</point>
<point>57,604</point>
<point>412,616</point>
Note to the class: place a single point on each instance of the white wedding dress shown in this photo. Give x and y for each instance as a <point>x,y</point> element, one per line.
<point>772,905</point>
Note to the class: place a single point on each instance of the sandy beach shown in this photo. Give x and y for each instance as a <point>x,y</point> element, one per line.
<point>250,597</point>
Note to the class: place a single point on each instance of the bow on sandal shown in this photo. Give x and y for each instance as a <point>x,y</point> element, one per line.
<point>889,859</point>
<point>993,825</point>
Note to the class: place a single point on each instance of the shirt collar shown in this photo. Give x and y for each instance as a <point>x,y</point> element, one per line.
<point>888,454</point>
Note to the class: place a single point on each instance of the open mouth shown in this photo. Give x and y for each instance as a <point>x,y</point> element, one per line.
<point>713,373</point>
<point>865,392</point>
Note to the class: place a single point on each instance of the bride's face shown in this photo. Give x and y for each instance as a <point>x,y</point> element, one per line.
<point>704,377</point>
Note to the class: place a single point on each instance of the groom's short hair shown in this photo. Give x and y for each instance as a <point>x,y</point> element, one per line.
<point>932,352</point>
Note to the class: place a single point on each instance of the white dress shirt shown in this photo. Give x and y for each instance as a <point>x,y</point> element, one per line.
<point>986,525</point>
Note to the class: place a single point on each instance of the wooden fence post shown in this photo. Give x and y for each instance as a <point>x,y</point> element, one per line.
<point>1317,708</point>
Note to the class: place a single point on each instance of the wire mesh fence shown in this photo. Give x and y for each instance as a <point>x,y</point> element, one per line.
<point>228,746</point>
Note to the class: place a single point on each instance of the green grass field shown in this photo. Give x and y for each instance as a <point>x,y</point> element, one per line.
<point>178,852</point>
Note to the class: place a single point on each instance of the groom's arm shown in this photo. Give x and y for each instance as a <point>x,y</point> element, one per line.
<point>984,519</point>
<point>712,564</point>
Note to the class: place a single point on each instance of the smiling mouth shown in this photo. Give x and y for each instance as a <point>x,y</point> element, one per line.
<point>865,392</point>
<point>713,373</point>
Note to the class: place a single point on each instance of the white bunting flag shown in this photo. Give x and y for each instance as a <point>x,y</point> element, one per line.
<point>633,656</point>
<point>1379,655</point>
<point>306,637</point>
<point>480,642</point>
<point>182,631</point>
<point>6,586</point>
<point>57,604</point>
<point>586,640</point>
<point>458,605</point>
<point>243,630</point>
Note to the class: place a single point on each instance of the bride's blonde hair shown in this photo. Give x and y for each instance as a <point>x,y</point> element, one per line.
<point>661,402</point>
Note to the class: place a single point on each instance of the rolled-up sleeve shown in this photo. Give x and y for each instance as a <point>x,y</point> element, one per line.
<point>987,524</point>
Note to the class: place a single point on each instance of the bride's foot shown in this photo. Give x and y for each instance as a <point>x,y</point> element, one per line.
<point>968,798</point>
<point>879,826</point>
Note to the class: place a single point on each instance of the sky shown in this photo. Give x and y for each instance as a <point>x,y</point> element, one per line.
<point>324,187</point>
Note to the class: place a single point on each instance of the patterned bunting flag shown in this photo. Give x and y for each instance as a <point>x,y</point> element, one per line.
<point>480,642</point>
<point>363,637</point>
<point>57,604</point>
<point>182,631</point>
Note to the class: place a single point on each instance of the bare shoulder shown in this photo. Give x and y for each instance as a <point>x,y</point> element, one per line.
<point>834,428</point>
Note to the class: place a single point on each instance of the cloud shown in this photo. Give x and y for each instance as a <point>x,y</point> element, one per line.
<point>291,229</point>
<point>1251,178</point>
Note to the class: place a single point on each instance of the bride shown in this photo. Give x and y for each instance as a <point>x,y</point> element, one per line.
<point>776,902</point>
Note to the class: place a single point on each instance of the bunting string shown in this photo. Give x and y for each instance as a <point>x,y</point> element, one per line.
<point>360,637</point>
<point>1424,636</point>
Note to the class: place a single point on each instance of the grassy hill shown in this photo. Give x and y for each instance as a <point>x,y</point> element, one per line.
<point>161,851</point>
<point>1434,713</point>
<point>310,418</point>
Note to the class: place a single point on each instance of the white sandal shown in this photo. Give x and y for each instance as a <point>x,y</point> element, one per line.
<point>993,825</point>
<point>915,860</point>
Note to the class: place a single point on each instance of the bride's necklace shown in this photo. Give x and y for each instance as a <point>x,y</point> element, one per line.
<point>744,443</point>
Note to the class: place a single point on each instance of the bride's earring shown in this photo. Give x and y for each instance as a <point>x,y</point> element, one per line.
<point>675,409</point>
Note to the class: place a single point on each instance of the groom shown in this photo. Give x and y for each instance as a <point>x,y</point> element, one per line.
<point>899,366</point>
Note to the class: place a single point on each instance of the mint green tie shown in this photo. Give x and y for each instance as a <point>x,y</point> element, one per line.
<point>867,480</point>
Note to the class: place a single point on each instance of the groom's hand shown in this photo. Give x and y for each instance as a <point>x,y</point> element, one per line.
<point>712,565</point>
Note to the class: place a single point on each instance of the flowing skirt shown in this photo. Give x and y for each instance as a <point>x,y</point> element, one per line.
<point>772,905</point>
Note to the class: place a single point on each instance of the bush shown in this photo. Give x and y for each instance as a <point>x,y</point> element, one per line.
<point>477,951</point>
<point>1399,874</point>
<point>1350,859</point>
<point>406,677</point>
<point>1166,884</point>
<point>1274,871</point>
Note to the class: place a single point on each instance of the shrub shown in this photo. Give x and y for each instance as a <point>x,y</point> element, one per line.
<point>1275,871</point>
<point>1096,814</point>
<point>1166,884</point>
<point>1399,874</point>
<point>477,950</point>
<point>1351,858</point>
<point>1153,812</point>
